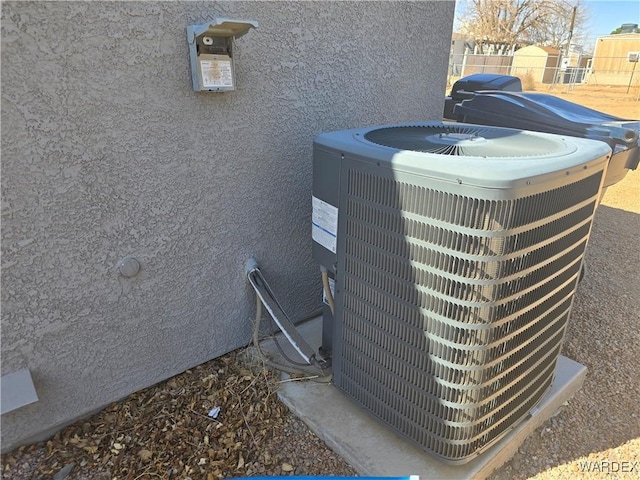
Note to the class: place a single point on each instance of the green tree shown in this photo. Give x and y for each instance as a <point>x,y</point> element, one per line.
<point>618,31</point>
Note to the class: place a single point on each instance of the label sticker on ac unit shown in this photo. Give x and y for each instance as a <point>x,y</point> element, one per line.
<point>324,221</point>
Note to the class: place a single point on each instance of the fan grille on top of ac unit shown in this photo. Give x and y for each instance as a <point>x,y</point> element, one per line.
<point>471,141</point>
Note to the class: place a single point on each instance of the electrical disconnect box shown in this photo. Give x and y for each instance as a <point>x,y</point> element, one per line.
<point>211,53</point>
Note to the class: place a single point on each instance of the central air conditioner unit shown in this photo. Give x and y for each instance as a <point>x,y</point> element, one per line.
<point>456,250</point>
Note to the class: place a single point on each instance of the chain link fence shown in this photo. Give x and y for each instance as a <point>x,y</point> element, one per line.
<point>551,69</point>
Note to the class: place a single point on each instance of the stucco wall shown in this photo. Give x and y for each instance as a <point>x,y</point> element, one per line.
<point>107,152</point>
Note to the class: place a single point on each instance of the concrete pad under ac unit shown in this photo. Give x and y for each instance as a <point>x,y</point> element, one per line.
<point>374,450</point>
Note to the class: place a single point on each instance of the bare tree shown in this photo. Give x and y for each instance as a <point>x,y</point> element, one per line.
<point>564,23</point>
<point>521,22</point>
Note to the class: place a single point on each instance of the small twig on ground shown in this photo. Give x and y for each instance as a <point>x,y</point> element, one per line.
<point>298,379</point>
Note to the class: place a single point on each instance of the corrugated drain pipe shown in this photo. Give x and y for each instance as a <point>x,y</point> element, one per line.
<point>266,297</point>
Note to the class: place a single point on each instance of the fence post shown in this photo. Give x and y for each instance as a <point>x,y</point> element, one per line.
<point>464,63</point>
<point>631,79</point>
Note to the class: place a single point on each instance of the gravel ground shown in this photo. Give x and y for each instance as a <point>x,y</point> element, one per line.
<point>168,431</point>
<point>602,423</point>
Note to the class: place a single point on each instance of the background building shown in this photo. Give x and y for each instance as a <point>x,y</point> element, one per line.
<point>542,62</point>
<point>611,65</point>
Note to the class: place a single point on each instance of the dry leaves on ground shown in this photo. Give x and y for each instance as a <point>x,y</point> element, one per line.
<point>165,432</point>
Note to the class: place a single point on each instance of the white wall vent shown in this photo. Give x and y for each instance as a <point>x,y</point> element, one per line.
<point>457,252</point>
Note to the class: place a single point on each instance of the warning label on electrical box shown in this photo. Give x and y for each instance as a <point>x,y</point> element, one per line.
<point>216,73</point>
<point>324,221</point>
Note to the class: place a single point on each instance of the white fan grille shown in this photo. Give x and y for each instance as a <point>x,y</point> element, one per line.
<point>472,141</point>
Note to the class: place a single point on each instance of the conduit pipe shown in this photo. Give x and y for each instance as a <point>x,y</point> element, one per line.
<point>288,329</point>
<point>327,289</point>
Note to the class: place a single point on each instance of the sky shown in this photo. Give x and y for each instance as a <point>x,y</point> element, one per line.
<point>607,15</point>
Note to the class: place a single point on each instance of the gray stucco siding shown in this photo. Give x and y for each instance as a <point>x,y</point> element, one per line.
<point>107,152</point>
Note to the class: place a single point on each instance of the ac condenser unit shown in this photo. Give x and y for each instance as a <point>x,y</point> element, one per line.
<point>456,250</point>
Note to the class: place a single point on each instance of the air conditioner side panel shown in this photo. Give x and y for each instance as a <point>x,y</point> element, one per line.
<point>326,194</point>
<point>452,300</point>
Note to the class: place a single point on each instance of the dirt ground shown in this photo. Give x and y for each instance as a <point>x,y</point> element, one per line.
<point>612,100</point>
<point>597,434</point>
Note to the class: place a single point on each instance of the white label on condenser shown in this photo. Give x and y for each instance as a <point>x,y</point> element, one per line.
<point>216,73</point>
<point>324,220</point>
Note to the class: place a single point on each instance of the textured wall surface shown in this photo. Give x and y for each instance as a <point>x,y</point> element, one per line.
<point>107,152</point>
